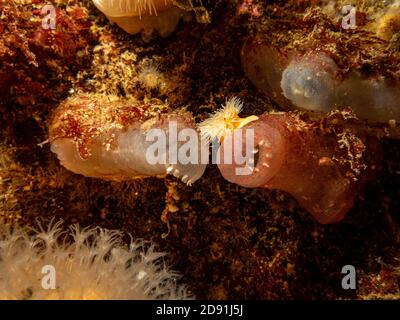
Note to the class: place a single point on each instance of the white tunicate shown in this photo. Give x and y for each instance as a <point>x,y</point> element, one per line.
<point>119,139</point>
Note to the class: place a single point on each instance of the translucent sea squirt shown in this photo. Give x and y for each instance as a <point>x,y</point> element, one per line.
<point>107,137</point>
<point>312,81</point>
<point>56,263</point>
<point>145,16</point>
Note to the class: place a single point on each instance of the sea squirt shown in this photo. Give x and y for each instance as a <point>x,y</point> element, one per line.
<point>144,16</point>
<point>87,263</point>
<point>107,137</point>
<point>295,156</point>
<point>313,82</point>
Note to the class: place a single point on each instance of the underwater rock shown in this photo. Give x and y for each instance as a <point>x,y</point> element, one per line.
<point>107,137</point>
<point>145,16</point>
<point>295,156</point>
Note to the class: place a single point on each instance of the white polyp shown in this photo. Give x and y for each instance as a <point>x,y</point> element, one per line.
<point>164,23</point>
<point>123,8</point>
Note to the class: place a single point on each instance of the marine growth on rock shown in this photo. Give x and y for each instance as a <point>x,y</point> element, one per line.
<point>109,110</point>
<point>291,155</point>
<point>323,169</point>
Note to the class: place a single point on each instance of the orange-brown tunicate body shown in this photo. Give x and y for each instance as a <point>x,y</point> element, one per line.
<point>294,156</point>
<point>144,16</point>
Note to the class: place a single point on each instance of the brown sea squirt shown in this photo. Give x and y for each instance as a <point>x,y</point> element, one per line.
<point>322,170</point>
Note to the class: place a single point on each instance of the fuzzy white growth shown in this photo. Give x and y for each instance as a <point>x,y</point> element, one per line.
<point>88,263</point>
<point>224,121</point>
<point>150,77</point>
<point>218,124</point>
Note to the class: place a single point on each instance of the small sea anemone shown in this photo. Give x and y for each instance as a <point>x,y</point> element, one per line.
<point>224,121</point>
<point>90,263</point>
<point>150,77</point>
<point>132,7</point>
